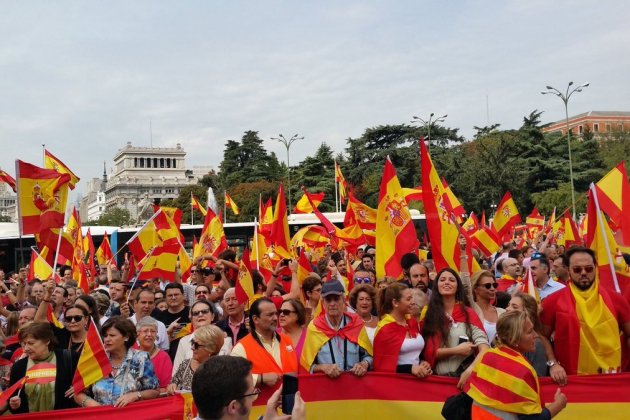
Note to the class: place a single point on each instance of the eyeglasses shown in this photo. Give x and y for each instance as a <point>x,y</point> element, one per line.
<point>489,285</point>
<point>74,318</point>
<point>286,312</point>
<point>195,346</point>
<point>254,393</point>
<point>200,312</point>
<point>360,280</point>
<point>586,269</point>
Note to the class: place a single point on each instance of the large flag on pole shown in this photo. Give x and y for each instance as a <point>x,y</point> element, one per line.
<point>93,363</point>
<point>305,204</point>
<point>5,177</point>
<point>212,240</point>
<point>359,213</point>
<point>613,193</point>
<point>343,185</point>
<point>231,204</point>
<point>52,162</point>
<point>506,216</point>
<point>244,283</point>
<point>196,205</point>
<point>280,238</point>
<point>395,232</point>
<point>42,195</point>
<point>104,252</point>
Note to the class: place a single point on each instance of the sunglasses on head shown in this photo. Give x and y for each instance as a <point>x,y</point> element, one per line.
<point>74,318</point>
<point>490,285</point>
<point>286,312</point>
<point>537,256</point>
<point>587,269</point>
<point>365,280</point>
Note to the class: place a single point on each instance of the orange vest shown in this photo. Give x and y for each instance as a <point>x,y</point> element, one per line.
<point>264,362</point>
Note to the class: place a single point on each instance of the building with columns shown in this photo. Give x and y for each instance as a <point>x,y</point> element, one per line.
<point>8,202</point>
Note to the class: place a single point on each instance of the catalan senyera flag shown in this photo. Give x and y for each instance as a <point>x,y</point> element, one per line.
<point>506,216</point>
<point>359,213</point>
<point>38,268</point>
<point>52,162</point>
<point>280,238</point>
<point>231,204</point>
<point>52,318</point>
<point>303,206</point>
<point>212,240</point>
<point>244,287</point>
<point>93,363</point>
<point>486,240</point>
<point>395,232</point>
<point>343,185</point>
<point>104,252</point>
<point>42,195</point>
<point>196,205</point>
<point>5,177</point>
<point>613,193</point>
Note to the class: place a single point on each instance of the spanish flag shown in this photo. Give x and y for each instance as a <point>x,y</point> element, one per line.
<point>319,333</point>
<point>47,242</point>
<point>38,268</point>
<point>395,232</point>
<point>157,231</point>
<point>8,393</point>
<point>613,192</point>
<point>42,196</point>
<point>504,380</point>
<point>52,318</point>
<point>452,203</point>
<point>280,238</point>
<point>244,283</point>
<point>412,194</point>
<point>471,225</point>
<point>259,257</point>
<point>173,212</point>
<point>93,363</point>
<point>506,216</point>
<point>486,241</point>
<point>212,240</point>
<point>231,204</point>
<point>5,177</point>
<point>304,204</point>
<point>534,222</point>
<point>52,162</point>
<point>388,340</point>
<point>184,331</point>
<point>265,216</point>
<point>359,213</point>
<point>343,185</point>
<point>196,205</point>
<point>104,252</point>
<point>160,262</point>
<point>568,233</point>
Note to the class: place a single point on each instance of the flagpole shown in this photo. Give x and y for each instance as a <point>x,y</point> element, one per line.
<point>600,222</point>
<point>19,208</point>
<point>192,210</point>
<point>225,207</point>
<point>256,239</point>
<point>336,197</point>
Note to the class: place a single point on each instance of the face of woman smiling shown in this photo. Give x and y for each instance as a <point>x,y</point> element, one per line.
<point>447,284</point>
<point>364,303</point>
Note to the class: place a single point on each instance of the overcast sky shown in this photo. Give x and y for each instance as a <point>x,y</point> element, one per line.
<point>85,77</point>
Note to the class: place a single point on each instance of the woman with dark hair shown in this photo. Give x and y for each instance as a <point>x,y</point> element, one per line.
<point>54,369</point>
<point>363,302</point>
<point>398,342</point>
<point>133,377</point>
<point>91,306</point>
<point>452,330</point>
<point>291,322</point>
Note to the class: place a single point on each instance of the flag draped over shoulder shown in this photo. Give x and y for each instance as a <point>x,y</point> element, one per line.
<point>306,202</point>
<point>506,216</point>
<point>388,340</point>
<point>280,238</point>
<point>54,163</point>
<point>244,288</point>
<point>504,380</point>
<point>42,195</point>
<point>395,232</point>
<point>5,177</point>
<point>231,204</point>
<point>93,363</point>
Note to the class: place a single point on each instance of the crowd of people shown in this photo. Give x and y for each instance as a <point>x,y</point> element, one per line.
<point>164,337</point>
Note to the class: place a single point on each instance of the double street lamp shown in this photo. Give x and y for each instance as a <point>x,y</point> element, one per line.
<point>287,143</point>
<point>427,123</point>
<point>565,99</point>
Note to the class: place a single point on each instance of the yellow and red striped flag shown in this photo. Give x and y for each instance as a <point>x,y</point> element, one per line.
<point>7,393</point>
<point>506,216</point>
<point>93,363</point>
<point>280,239</point>
<point>39,268</point>
<point>5,177</point>
<point>304,267</point>
<point>185,264</point>
<point>212,240</point>
<point>157,231</point>
<point>486,240</point>
<point>453,205</point>
<point>265,217</point>
<point>231,204</point>
<point>104,252</point>
<point>471,225</point>
<point>184,331</point>
<point>535,222</point>
<point>529,287</point>
<point>343,185</point>
<point>359,213</point>
<point>42,195</point>
<point>196,205</point>
<point>259,257</point>
<point>52,162</point>
<point>395,232</point>
<point>51,317</point>
<point>413,194</point>
<point>305,204</point>
<point>568,233</point>
<point>613,193</point>
<point>173,212</point>
<point>244,287</point>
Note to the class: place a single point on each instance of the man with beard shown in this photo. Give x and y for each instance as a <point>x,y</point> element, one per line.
<point>419,278</point>
<point>586,320</point>
<point>271,353</point>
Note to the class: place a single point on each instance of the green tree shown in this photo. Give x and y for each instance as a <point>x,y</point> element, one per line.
<point>182,201</point>
<point>317,174</point>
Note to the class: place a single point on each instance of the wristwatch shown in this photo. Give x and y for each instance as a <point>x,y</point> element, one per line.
<point>551,363</point>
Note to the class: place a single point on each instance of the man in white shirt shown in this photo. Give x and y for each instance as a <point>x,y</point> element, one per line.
<point>143,306</point>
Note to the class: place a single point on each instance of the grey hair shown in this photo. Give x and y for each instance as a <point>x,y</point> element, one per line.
<point>147,321</point>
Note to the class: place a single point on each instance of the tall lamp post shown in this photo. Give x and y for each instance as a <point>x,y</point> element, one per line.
<point>565,99</point>
<point>287,143</point>
<point>427,123</point>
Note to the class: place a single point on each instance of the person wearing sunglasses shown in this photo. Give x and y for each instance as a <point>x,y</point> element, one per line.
<point>204,344</point>
<point>586,320</point>
<point>484,289</point>
<point>363,277</point>
<point>292,322</point>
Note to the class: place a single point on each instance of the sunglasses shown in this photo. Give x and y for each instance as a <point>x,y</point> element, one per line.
<point>360,280</point>
<point>286,312</point>
<point>74,318</point>
<point>194,345</point>
<point>207,272</point>
<point>193,271</point>
<point>200,312</point>
<point>579,270</point>
<point>490,285</point>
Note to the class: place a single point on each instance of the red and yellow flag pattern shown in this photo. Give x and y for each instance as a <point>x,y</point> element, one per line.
<point>506,216</point>
<point>104,252</point>
<point>231,204</point>
<point>280,237</point>
<point>360,214</point>
<point>93,363</point>
<point>8,179</point>
<point>212,240</point>
<point>196,205</point>
<point>54,163</point>
<point>307,201</point>
<point>341,181</point>
<point>244,289</point>
<point>38,268</point>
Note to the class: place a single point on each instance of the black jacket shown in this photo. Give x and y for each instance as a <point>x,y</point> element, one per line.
<point>225,326</point>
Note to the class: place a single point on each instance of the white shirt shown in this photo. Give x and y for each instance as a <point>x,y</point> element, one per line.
<point>162,338</point>
<point>410,350</point>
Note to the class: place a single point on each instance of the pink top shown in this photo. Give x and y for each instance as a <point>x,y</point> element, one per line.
<point>163,367</point>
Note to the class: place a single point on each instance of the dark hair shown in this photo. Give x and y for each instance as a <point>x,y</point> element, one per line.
<point>203,285</point>
<point>219,381</point>
<point>91,303</point>
<point>310,282</point>
<point>39,331</point>
<point>258,280</point>
<point>436,321</point>
<point>63,269</point>
<point>298,307</point>
<point>174,286</point>
<point>576,250</point>
<point>227,255</point>
<point>502,299</point>
<point>370,256</point>
<point>409,259</point>
<point>124,326</point>
<point>215,315</point>
<point>367,288</point>
<point>530,307</point>
<point>65,291</point>
<point>515,253</point>
<point>79,307</point>
<point>336,257</point>
<point>543,261</point>
<point>387,295</point>
<point>254,311</point>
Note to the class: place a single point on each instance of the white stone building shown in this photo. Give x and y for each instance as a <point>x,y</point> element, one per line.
<point>8,202</point>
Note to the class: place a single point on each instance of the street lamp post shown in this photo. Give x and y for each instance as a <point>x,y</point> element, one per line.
<point>565,99</point>
<point>287,143</point>
<point>427,124</point>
